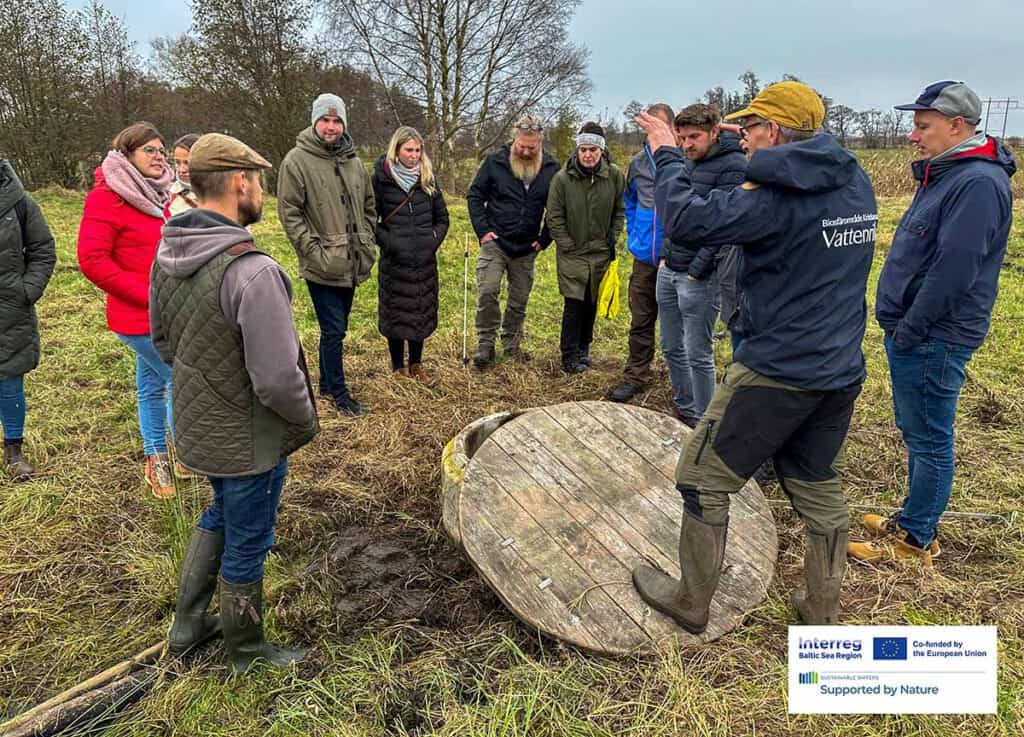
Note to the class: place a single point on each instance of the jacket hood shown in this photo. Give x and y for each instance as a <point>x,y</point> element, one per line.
<point>193,238</point>
<point>818,164</point>
<point>10,187</point>
<point>310,142</point>
<point>992,150</point>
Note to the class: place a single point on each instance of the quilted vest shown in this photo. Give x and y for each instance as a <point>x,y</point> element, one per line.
<point>220,427</point>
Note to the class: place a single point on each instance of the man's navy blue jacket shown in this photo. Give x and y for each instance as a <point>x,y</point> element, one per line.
<point>940,279</point>
<point>723,168</point>
<point>806,220</point>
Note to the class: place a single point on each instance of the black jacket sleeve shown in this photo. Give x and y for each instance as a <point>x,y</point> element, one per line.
<point>476,200</point>
<point>40,253</point>
<point>440,215</point>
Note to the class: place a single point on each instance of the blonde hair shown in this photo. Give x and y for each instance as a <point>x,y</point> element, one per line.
<point>402,136</point>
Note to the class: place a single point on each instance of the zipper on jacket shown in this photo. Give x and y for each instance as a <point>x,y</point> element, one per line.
<point>705,441</point>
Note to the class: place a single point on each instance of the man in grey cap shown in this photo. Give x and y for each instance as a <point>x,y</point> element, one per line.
<point>220,314</point>
<point>935,298</point>
<point>327,208</point>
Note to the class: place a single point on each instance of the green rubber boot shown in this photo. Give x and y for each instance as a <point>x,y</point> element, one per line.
<point>196,584</point>
<point>241,609</point>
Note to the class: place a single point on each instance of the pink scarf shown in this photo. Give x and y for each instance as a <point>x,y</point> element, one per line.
<point>144,194</point>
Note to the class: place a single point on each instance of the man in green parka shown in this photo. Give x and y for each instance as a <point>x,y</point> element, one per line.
<point>585,215</point>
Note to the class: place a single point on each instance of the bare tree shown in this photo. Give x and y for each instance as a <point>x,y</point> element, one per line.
<point>472,65</point>
<point>840,122</point>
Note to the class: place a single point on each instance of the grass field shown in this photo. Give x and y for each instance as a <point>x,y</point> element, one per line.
<point>407,639</point>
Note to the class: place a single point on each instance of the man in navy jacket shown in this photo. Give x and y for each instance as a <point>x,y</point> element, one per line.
<point>935,299</point>
<point>805,217</point>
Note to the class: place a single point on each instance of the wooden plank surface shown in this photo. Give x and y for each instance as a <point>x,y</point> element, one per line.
<point>558,505</point>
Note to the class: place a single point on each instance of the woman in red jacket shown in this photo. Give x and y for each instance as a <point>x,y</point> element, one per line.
<point>117,243</point>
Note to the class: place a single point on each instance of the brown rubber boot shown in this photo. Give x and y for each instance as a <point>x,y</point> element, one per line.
<point>701,551</point>
<point>824,568</point>
<point>19,468</point>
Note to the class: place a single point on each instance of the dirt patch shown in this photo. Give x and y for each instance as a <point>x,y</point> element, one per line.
<point>390,574</point>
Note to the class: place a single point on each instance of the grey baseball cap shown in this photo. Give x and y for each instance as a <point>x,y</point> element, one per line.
<point>951,98</point>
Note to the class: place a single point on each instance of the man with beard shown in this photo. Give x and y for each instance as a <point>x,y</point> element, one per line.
<point>687,288</point>
<point>220,314</point>
<point>327,207</point>
<point>506,207</point>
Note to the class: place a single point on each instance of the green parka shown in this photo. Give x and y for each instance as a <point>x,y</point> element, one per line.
<point>27,257</point>
<point>326,204</point>
<point>585,215</point>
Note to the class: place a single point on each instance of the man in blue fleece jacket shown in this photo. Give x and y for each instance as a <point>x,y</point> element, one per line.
<point>805,218</point>
<point>935,299</point>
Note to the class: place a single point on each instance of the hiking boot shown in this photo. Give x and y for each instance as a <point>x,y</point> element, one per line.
<point>241,611</point>
<point>347,404</point>
<point>572,365</point>
<point>688,601</point>
<point>824,568</point>
<point>181,472</point>
<point>890,526</point>
<point>690,422</point>
<point>19,468</point>
<point>889,548</point>
<point>766,472</point>
<point>518,354</point>
<point>585,356</point>
<point>625,391</point>
<point>197,581</point>
<point>421,375</point>
<point>484,356</point>
<point>160,476</point>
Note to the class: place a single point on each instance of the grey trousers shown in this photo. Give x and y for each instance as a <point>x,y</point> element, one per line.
<point>491,266</point>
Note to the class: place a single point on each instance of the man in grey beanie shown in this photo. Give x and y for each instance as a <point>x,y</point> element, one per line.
<point>326,204</point>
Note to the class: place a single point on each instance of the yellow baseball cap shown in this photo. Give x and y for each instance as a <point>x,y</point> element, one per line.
<point>792,104</point>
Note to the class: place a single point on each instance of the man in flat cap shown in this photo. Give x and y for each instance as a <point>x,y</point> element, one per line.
<point>220,314</point>
<point>805,218</point>
<point>934,302</point>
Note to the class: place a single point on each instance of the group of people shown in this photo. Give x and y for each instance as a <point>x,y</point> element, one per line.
<point>768,222</point>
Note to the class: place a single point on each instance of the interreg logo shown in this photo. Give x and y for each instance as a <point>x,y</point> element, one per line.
<point>890,648</point>
<point>856,230</point>
<point>816,648</point>
<point>809,679</point>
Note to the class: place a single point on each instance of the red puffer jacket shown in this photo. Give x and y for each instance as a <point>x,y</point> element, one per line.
<point>116,248</point>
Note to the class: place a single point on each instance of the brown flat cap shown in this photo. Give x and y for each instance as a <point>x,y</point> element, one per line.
<point>218,152</point>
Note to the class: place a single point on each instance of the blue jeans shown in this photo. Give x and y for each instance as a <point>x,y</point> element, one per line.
<point>153,388</point>
<point>926,383</point>
<point>12,407</point>
<point>332,306</point>
<point>245,510</point>
<point>687,310</point>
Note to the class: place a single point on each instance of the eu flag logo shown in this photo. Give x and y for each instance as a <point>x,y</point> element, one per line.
<point>890,648</point>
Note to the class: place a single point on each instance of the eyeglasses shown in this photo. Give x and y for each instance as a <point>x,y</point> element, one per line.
<point>152,151</point>
<point>748,126</point>
<point>532,127</point>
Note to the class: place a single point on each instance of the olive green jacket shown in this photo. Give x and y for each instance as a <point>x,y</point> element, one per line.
<point>585,214</point>
<point>326,204</point>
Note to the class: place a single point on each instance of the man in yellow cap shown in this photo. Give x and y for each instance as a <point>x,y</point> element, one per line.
<point>220,314</point>
<point>805,218</point>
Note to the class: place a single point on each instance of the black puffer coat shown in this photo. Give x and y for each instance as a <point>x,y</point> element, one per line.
<point>408,242</point>
<point>27,257</point>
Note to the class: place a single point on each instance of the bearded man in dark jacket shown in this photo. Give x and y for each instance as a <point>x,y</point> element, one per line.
<point>805,217</point>
<point>506,207</point>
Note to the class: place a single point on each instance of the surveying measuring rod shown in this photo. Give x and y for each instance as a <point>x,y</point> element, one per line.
<point>465,298</point>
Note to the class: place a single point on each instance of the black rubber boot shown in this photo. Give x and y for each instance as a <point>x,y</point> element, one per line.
<point>197,582</point>
<point>19,468</point>
<point>701,551</point>
<point>824,568</point>
<point>241,610</point>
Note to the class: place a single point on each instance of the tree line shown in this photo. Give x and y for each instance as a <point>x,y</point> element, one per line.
<point>459,70</point>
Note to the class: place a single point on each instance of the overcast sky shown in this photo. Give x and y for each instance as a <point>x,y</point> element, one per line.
<point>872,53</point>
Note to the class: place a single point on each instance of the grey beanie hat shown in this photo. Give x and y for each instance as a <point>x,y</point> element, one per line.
<point>328,104</point>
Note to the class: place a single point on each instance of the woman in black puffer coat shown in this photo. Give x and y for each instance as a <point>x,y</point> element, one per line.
<point>412,220</point>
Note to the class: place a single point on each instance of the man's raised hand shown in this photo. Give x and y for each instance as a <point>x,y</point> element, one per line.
<point>658,132</point>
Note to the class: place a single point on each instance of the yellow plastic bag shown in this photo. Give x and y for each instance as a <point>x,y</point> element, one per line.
<point>608,292</point>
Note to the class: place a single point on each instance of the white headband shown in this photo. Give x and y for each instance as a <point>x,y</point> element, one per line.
<point>590,139</point>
